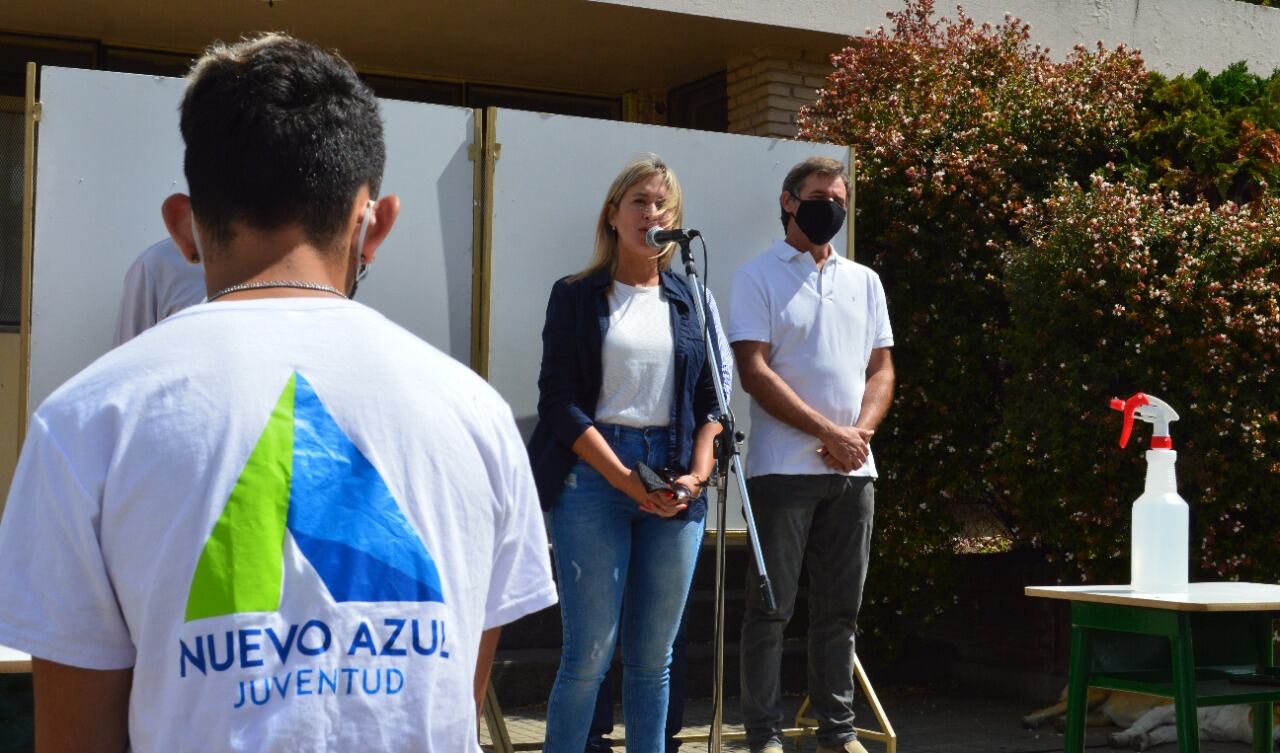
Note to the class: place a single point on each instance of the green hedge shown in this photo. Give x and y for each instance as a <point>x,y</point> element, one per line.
<point>975,151</point>
<point>1208,137</point>
<point>955,126</point>
<point>1118,290</point>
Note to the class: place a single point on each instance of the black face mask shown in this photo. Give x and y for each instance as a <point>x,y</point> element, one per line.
<point>362,269</point>
<point>361,273</point>
<point>819,219</point>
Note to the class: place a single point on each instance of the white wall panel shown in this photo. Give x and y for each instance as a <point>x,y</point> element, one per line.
<point>110,152</point>
<point>1175,36</point>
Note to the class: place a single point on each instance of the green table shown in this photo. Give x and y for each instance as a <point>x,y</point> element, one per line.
<point>1209,646</point>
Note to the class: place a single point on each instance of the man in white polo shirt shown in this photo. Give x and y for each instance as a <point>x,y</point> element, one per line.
<point>810,330</point>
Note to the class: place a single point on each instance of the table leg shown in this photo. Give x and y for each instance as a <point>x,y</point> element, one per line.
<point>1184,687</point>
<point>1263,719</point>
<point>1263,629</point>
<point>1077,691</point>
<point>1262,728</point>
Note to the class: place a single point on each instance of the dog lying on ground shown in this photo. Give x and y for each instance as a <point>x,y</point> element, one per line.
<point>1105,707</point>
<point>1226,723</point>
<point>1149,720</point>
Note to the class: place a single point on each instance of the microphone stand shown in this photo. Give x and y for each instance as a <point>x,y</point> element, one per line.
<point>728,458</point>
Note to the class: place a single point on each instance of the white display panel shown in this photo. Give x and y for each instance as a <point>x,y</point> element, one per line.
<point>110,152</point>
<point>549,185</point>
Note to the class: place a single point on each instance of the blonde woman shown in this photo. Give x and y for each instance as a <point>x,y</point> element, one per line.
<point>625,379</point>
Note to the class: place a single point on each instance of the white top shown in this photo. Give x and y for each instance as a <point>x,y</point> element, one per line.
<point>821,329</point>
<point>1227,596</point>
<point>723,350</point>
<point>290,516</point>
<point>638,357</point>
<point>159,283</point>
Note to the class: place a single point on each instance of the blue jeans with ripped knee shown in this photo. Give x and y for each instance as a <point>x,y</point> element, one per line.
<point>610,553</point>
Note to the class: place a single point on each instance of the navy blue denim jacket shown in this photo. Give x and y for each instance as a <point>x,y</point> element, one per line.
<point>572,370</point>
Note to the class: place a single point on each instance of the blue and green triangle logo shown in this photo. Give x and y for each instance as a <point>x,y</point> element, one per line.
<point>306,477</point>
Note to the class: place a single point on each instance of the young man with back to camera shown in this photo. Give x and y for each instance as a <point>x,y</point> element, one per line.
<point>278,522</point>
<point>810,331</point>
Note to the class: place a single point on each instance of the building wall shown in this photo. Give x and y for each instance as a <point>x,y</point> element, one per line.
<point>1175,36</point>
<point>768,87</point>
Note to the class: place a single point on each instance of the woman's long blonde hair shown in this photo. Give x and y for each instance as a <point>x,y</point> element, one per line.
<point>642,167</point>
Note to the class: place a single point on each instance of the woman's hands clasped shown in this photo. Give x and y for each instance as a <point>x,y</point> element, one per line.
<point>662,503</point>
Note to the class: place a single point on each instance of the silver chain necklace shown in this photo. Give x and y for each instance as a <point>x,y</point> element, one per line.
<point>300,284</point>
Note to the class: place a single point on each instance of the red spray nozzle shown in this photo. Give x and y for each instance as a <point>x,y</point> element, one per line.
<point>1127,407</point>
<point>1150,409</point>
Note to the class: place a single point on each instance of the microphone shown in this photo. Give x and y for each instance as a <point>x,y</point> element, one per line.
<point>657,238</point>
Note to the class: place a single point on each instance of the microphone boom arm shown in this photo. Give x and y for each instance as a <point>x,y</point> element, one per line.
<point>729,459</point>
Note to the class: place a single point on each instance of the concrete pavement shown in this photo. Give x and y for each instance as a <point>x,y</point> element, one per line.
<point>926,720</point>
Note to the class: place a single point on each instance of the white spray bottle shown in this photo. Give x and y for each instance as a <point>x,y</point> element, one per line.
<point>1160,518</point>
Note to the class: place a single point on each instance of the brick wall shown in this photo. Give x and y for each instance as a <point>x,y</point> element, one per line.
<point>768,87</point>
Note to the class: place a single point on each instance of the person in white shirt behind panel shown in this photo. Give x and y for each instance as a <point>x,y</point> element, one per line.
<point>810,330</point>
<point>159,283</point>
<point>278,522</point>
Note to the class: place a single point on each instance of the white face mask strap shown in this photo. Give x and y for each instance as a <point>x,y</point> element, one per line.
<point>195,237</point>
<point>363,268</point>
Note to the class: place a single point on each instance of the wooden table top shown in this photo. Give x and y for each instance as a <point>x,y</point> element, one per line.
<point>1199,597</point>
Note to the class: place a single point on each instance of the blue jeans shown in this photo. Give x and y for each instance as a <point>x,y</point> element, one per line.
<point>602,721</point>
<point>610,553</point>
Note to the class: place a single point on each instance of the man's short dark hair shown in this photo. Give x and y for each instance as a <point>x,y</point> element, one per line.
<point>278,132</point>
<point>811,166</point>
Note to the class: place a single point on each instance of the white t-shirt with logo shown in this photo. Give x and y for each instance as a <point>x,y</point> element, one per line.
<point>290,516</point>
<point>821,327</point>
